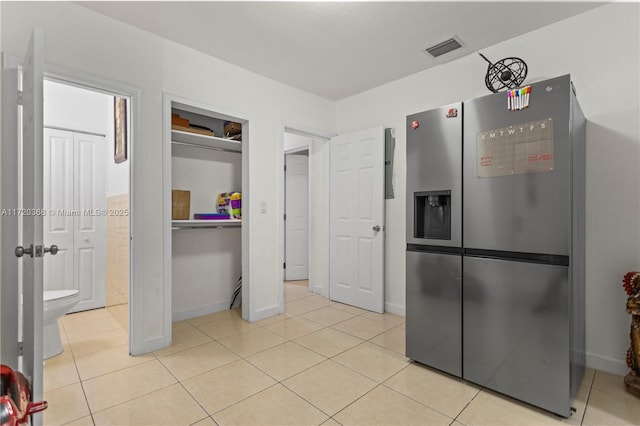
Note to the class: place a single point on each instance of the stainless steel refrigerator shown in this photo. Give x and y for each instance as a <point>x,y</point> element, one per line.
<point>495,243</point>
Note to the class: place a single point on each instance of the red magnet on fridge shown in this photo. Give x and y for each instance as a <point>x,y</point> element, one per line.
<point>452,113</point>
<point>415,124</point>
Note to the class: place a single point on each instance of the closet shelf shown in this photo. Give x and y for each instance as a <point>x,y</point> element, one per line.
<point>192,223</point>
<point>204,141</point>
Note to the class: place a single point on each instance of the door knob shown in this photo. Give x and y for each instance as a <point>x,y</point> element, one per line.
<point>53,250</point>
<point>376,228</point>
<point>21,251</point>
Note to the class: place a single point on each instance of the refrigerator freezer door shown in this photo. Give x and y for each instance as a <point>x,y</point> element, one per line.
<point>516,330</point>
<point>434,318</point>
<point>434,164</point>
<point>517,173</point>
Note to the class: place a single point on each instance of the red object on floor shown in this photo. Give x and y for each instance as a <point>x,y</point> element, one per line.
<point>15,396</point>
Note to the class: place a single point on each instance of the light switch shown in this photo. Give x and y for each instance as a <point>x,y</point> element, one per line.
<point>263,207</point>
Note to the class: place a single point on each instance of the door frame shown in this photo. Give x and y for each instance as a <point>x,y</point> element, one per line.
<point>311,133</point>
<point>137,344</point>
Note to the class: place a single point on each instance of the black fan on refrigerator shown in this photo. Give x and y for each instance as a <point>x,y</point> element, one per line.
<point>507,73</point>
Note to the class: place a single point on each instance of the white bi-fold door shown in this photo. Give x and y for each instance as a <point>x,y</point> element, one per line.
<point>356,246</point>
<point>75,220</point>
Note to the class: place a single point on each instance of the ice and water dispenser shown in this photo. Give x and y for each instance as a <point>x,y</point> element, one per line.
<point>432,215</point>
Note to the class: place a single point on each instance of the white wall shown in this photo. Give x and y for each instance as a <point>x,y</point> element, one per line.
<point>73,108</point>
<point>206,262</point>
<point>600,49</point>
<point>76,109</point>
<point>82,40</point>
<point>292,141</point>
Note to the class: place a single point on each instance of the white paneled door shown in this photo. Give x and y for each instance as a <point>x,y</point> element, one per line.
<point>74,196</point>
<point>356,247</point>
<point>297,217</point>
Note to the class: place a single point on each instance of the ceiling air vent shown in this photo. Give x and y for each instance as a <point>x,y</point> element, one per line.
<point>444,47</point>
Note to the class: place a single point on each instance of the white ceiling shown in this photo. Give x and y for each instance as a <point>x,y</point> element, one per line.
<point>337,49</point>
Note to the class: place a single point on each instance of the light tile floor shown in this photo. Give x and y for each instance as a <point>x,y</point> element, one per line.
<point>318,363</point>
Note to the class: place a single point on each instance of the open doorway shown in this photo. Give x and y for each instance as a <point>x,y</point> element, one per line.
<point>306,154</point>
<point>86,192</point>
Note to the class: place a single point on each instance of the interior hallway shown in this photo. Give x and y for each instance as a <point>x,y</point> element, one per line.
<point>320,362</point>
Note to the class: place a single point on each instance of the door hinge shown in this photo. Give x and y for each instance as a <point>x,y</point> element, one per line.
<point>285,216</point>
<point>20,97</point>
<point>284,265</point>
<point>20,349</point>
<point>285,167</point>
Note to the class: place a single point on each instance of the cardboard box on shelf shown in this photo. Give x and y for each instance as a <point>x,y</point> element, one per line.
<point>180,204</point>
<point>232,128</point>
<point>179,121</point>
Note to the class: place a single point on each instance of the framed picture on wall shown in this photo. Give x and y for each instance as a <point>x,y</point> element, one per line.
<point>120,133</point>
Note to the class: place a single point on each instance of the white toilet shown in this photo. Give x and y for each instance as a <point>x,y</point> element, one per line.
<point>56,304</point>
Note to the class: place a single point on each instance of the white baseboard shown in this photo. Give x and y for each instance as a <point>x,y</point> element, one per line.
<point>200,311</point>
<point>607,364</point>
<point>267,312</point>
<point>319,290</point>
<point>395,309</point>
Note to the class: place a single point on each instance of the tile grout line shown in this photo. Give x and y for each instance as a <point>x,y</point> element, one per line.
<point>586,403</point>
<point>281,382</point>
<point>455,419</point>
<point>75,365</point>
